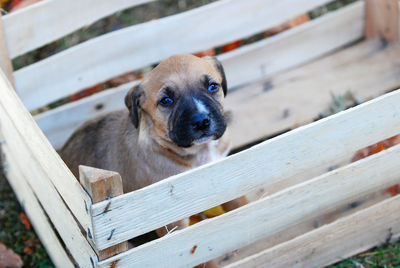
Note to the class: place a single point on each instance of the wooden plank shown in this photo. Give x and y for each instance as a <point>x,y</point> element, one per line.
<point>300,229</point>
<point>102,185</point>
<point>5,61</point>
<point>134,47</point>
<point>53,204</point>
<point>36,215</point>
<point>286,50</point>
<point>59,124</point>
<point>382,19</point>
<point>297,97</point>
<point>331,243</point>
<point>31,147</point>
<point>273,161</point>
<point>47,21</point>
<point>264,217</point>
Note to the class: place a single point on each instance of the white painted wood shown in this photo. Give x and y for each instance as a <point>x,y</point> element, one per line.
<point>294,47</point>
<point>285,156</point>
<point>42,163</point>
<point>331,243</point>
<point>5,61</point>
<point>118,52</point>
<point>34,26</point>
<point>50,200</point>
<point>37,216</point>
<point>267,216</point>
<point>294,98</point>
<point>60,123</point>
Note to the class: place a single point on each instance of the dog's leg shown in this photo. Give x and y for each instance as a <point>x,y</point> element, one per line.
<point>231,205</point>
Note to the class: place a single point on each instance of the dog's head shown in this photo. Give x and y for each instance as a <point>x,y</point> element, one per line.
<point>182,100</point>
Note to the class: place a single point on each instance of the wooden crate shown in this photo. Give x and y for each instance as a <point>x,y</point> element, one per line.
<point>279,83</point>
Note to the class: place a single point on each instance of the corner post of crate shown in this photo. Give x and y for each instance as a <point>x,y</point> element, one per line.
<point>102,185</point>
<point>5,60</point>
<point>382,19</point>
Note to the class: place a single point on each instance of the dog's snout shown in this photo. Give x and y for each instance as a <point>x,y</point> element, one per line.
<point>201,122</point>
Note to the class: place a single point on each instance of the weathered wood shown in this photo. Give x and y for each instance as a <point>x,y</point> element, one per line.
<point>5,61</point>
<point>297,97</point>
<point>285,156</point>
<point>331,243</point>
<point>267,216</point>
<point>281,52</point>
<point>382,19</point>
<point>49,198</point>
<point>47,174</point>
<point>59,124</point>
<point>300,229</point>
<point>134,47</point>
<point>37,216</point>
<point>44,22</point>
<point>102,185</point>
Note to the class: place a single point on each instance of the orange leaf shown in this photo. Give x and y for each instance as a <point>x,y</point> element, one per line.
<point>28,250</point>
<point>394,190</point>
<point>25,220</point>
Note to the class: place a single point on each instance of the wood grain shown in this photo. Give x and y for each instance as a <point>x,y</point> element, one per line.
<point>268,163</point>
<point>141,45</point>
<point>39,24</point>
<point>102,185</point>
<point>382,19</point>
<point>297,97</point>
<point>5,61</point>
<point>266,216</point>
<point>47,174</point>
<point>294,47</point>
<point>245,65</point>
<point>333,242</point>
<point>37,216</point>
<point>47,195</point>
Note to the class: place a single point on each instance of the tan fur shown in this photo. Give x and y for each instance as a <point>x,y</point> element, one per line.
<point>146,155</point>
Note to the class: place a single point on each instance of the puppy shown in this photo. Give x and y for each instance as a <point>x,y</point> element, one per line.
<point>174,122</point>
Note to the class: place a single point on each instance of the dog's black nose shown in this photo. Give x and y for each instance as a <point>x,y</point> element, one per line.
<point>201,122</point>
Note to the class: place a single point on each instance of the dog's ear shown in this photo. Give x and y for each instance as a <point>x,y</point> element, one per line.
<point>218,66</point>
<point>132,102</point>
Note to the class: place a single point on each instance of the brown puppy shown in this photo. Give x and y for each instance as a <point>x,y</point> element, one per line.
<point>174,122</point>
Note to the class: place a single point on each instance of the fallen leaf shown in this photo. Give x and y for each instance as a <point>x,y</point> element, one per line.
<point>8,258</point>
<point>28,250</point>
<point>25,220</point>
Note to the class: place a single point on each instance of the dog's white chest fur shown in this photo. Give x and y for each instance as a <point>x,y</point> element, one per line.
<point>210,154</point>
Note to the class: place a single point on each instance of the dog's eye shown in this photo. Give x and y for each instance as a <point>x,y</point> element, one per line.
<point>213,87</point>
<point>166,101</point>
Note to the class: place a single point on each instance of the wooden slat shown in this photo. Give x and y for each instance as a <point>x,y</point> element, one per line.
<point>102,185</point>
<point>134,47</point>
<point>59,124</point>
<point>287,50</point>
<point>36,215</point>
<point>299,229</point>
<point>34,26</point>
<point>331,243</point>
<point>382,19</point>
<point>31,147</point>
<point>51,202</point>
<point>285,156</point>
<point>267,216</point>
<point>5,61</point>
<point>297,97</point>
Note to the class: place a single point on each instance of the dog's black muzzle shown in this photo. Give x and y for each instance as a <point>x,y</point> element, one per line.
<point>196,119</point>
